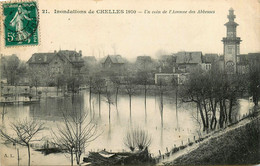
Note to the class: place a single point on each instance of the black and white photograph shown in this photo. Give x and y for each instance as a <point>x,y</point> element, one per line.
<point>109,82</point>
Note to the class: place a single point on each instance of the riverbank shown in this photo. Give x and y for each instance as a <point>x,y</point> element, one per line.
<point>237,144</point>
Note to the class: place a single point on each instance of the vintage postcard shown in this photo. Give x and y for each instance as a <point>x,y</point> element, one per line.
<point>109,82</point>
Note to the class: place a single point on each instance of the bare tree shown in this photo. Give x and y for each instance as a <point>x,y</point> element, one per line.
<point>175,85</point>
<point>116,82</point>
<point>25,132</point>
<point>137,138</point>
<point>12,68</point>
<point>144,79</point>
<point>35,78</point>
<point>74,135</point>
<point>212,90</point>
<point>98,87</point>
<point>129,140</point>
<point>3,113</point>
<point>130,90</point>
<point>161,87</point>
<point>198,121</point>
<point>254,82</point>
<point>142,138</point>
<point>90,83</point>
<point>109,100</point>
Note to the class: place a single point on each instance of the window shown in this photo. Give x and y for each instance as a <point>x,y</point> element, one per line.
<point>229,49</point>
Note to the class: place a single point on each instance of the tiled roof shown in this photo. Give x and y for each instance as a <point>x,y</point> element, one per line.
<point>41,58</point>
<point>209,58</point>
<point>114,59</point>
<point>71,56</point>
<point>189,57</point>
<point>45,58</point>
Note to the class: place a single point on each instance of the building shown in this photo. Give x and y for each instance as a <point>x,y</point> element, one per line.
<point>61,62</point>
<point>242,64</point>
<point>113,62</point>
<point>144,63</point>
<point>254,59</point>
<point>169,78</point>
<point>209,61</point>
<point>231,44</point>
<point>188,61</point>
<point>166,64</point>
<point>246,62</point>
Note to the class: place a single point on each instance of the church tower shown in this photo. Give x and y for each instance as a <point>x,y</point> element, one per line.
<point>231,44</point>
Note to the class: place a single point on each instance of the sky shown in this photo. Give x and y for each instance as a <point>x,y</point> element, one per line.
<point>132,35</point>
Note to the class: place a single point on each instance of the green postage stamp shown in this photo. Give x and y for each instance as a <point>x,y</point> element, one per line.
<point>20,23</point>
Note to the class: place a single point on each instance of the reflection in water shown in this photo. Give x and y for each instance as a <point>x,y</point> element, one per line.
<point>177,124</point>
<point>161,140</point>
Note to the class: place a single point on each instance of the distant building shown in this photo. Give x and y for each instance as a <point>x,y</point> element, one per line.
<point>209,61</point>
<point>242,64</point>
<point>188,61</point>
<point>168,78</point>
<point>61,62</point>
<point>144,63</point>
<point>166,64</point>
<point>113,62</point>
<point>245,62</point>
<point>254,59</point>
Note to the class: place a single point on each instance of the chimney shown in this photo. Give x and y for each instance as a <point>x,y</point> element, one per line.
<point>80,53</point>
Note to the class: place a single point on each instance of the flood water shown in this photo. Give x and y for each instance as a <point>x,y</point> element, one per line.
<point>175,130</point>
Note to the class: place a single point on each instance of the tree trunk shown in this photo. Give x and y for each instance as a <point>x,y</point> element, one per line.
<point>255,97</point>
<point>78,158</point>
<point>130,104</point>
<point>221,114</point>
<point>225,111</point>
<point>145,91</point>
<point>202,116</point>
<point>109,111</point>
<point>230,110</point>
<point>116,95</point>
<point>57,92</point>
<point>213,121</point>
<point>90,98</point>
<point>18,157</point>
<point>29,154</point>
<point>161,108</point>
<point>99,104</point>
<point>176,104</point>
<point>3,113</point>
<point>71,157</point>
<point>206,115</point>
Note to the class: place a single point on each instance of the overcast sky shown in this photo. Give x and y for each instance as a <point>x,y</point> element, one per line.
<point>142,34</point>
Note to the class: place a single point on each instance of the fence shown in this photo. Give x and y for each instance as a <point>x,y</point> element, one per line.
<point>195,139</point>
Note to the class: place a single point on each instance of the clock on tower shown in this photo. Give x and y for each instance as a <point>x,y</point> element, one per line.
<point>231,44</point>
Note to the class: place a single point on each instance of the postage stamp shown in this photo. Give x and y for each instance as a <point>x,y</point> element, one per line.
<point>20,23</point>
